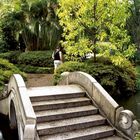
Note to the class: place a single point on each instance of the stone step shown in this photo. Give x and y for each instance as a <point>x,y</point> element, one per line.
<point>58,104</point>
<point>55,92</point>
<point>92,133</point>
<point>113,138</point>
<point>56,97</point>
<point>69,124</point>
<point>59,114</point>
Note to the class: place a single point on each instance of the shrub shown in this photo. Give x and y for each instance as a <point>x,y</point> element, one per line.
<point>3,46</point>
<point>12,56</point>
<point>36,58</point>
<point>31,62</point>
<point>6,70</point>
<point>138,77</point>
<point>116,80</point>
<point>35,69</point>
<point>137,57</point>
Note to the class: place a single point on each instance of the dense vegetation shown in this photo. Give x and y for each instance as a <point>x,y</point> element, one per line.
<point>30,25</point>
<point>96,26</point>
<point>32,61</point>
<point>138,77</point>
<point>6,70</point>
<point>116,80</point>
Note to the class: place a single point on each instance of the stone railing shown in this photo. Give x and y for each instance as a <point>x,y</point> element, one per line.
<point>123,120</point>
<point>19,101</point>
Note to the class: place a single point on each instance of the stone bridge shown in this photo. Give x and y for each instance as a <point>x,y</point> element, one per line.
<point>78,108</point>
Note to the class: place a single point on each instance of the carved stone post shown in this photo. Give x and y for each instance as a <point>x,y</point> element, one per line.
<point>128,124</point>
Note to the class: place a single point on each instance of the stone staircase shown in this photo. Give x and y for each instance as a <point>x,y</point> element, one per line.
<point>66,113</point>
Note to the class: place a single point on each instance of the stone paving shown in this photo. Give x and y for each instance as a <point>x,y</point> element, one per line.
<point>38,80</point>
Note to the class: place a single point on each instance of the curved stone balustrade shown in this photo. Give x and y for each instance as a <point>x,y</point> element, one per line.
<point>19,108</point>
<point>124,120</point>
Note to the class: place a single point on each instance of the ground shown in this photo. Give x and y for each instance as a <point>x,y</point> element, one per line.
<point>37,80</point>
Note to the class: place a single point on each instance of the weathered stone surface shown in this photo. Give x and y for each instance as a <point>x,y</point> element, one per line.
<point>128,124</point>
<point>66,125</point>
<point>118,110</point>
<point>90,133</point>
<point>19,101</point>
<point>83,79</point>
<point>95,91</point>
<point>105,101</point>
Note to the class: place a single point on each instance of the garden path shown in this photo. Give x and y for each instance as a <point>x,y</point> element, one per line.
<point>38,80</point>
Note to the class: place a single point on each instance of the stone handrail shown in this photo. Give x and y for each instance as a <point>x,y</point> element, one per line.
<point>26,119</point>
<point>122,119</point>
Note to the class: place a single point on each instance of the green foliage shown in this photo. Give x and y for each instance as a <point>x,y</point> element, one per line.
<point>43,31</point>
<point>36,58</point>
<point>86,24</point>
<point>137,136</point>
<point>138,77</point>
<point>35,21</point>
<point>9,28</point>
<point>32,61</point>
<point>116,80</point>
<point>3,46</point>
<point>10,25</point>
<point>35,69</point>
<point>6,71</point>
<point>12,56</point>
<point>136,58</point>
<point>70,66</point>
<point>133,25</point>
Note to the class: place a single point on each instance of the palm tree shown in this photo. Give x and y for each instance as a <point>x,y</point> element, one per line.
<point>41,29</point>
<point>36,22</point>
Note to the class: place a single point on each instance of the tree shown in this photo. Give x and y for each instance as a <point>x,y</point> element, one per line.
<point>133,23</point>
<point>89,25</point>
<point>34,21</point>
<point>8,25</point>
<point>44,24</point>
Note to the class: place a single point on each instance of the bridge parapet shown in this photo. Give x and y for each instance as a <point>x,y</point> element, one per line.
<point>123,120</point>
<point>21,113</point>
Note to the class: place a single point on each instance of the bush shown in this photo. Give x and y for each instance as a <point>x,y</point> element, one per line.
<point>31,62</point>
<point>35,69</point>
<point>36,58</point>
<point>116,80</point>
<point>12,56</point>
<point>3,46</point>
<point>6,71</point>
<point>136,58</point>
<point>138,77</point>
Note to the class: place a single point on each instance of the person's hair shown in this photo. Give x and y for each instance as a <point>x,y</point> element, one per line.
<point>57,47</point>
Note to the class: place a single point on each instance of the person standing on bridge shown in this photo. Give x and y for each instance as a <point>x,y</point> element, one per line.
<point>57,57</point>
